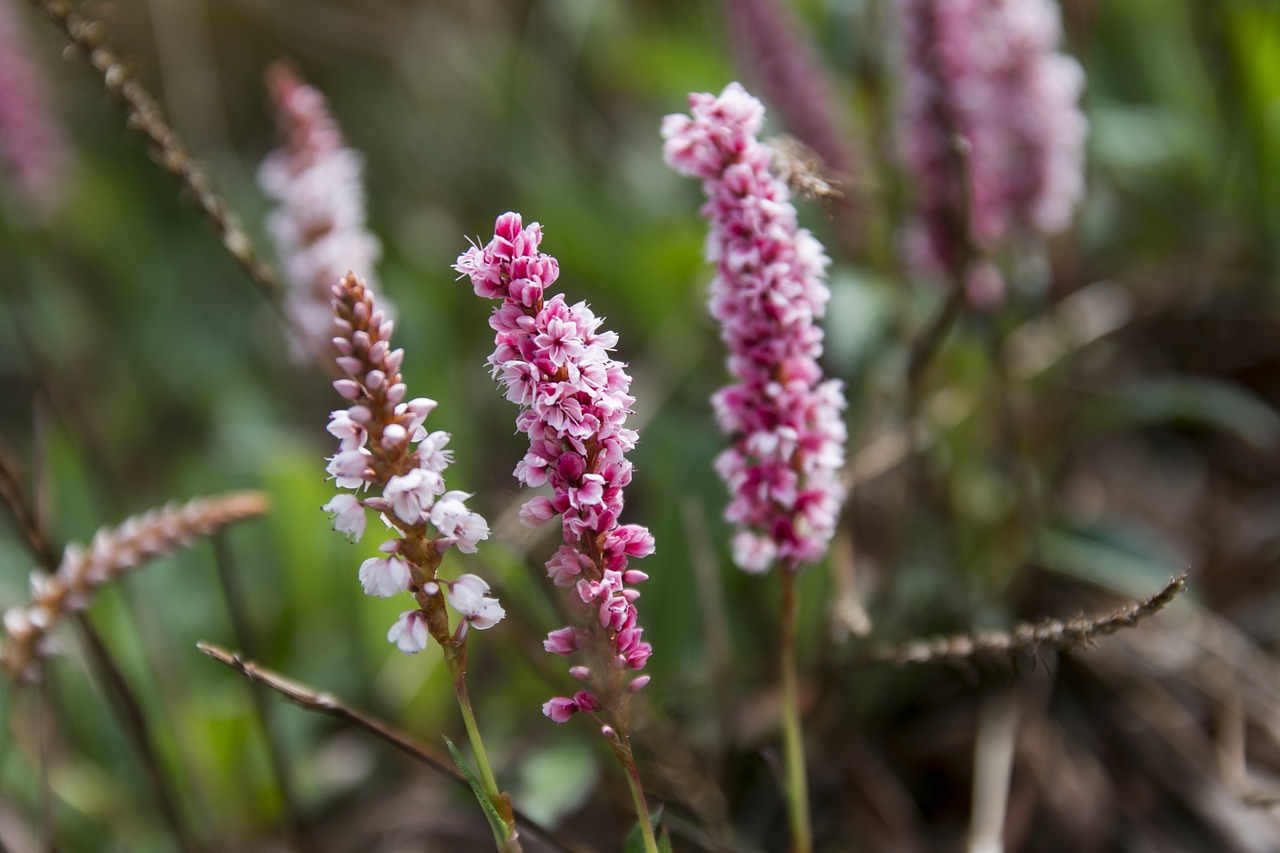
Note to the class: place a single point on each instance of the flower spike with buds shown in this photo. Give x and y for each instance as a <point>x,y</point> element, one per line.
<point>396,468</point>
<point>384,447</point>
<point>319,228</point>
<point>112,551</point>
<point>553,361</point>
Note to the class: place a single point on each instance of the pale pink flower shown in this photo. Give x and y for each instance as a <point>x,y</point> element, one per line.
<point>769,291</point>
<point>409,632</point>
<point>559,709</point>
<point>348,515</point>
<point>385,576</point>
<point>469,596</point>
<point>413,493</point>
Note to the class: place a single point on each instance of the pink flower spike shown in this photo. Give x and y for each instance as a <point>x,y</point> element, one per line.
<point>769,290</point>
<point>559,710</point>
<point>318,227</point>
<point>409,632</point>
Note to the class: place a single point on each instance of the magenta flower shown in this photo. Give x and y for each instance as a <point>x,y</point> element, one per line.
<point>788,435</point>
<point>553,360</point>
<point>985,72</point>
<point>319,228</point>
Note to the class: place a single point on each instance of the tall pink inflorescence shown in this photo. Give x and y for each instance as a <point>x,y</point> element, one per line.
<point>992,130</point>
<point>32,147</point>
<point>319,227</point>
<point>395,467</point>
<point>783,416</point>
<point>553,361</point>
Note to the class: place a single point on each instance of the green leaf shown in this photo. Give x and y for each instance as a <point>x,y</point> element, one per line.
<point>496,822</point>
<point>1200,401</point>
<point>635,838</point>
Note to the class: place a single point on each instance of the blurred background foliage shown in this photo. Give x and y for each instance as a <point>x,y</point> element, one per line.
<point>1112,424</point>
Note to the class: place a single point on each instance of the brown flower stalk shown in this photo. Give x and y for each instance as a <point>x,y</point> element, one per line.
<point>112,551</point>
<point>1027,637</point>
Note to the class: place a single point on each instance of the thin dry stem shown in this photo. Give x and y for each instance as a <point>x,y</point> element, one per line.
<point>325,703</point>
<point>1027,637</point>
<point>144,115</point>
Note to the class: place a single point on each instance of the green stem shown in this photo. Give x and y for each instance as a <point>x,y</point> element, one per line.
<point>793,738</point>
<point>457,665</point>
<point>642,806</point>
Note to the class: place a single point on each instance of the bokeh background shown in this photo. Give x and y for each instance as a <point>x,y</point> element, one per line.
<point>1113,424</point>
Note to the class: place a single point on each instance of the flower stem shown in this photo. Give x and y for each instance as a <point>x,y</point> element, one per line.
<point>501,802</point>
<point>793,738</point>
<point>642,807</point>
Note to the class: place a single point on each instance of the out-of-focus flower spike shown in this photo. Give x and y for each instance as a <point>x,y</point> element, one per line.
<point>319,227</point>
<point>770,289</point>
<point>113,551</point>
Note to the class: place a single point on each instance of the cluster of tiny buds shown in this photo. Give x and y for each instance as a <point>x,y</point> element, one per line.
<point>384,445</point>
<point>109,554</point>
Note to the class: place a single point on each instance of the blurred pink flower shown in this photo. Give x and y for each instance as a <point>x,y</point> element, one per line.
<point>32,146</point>
<point>319,226</point>
<point>984,75</point>
<point>785,419</point>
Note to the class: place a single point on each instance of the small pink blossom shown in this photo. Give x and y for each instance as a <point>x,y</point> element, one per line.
<point>469,596</point>
<point>409,632</point>
<point>348,515</point>
<point>412,494</point>
<point>347,467</point>
<point>559,709</point>
<point>562,641</point>
<point>385,576</point>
